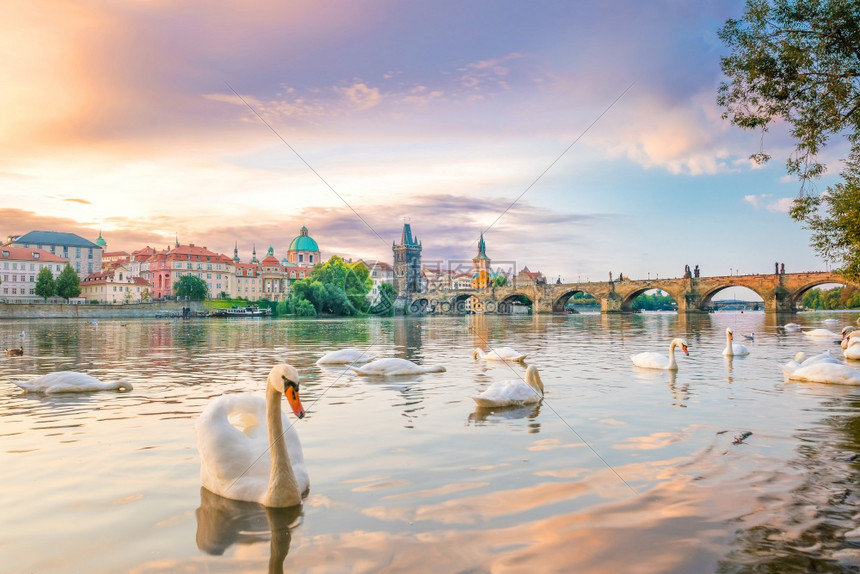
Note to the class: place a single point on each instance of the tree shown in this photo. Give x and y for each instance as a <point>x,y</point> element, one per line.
<point>68,283</point>
<point>192,287</point>
<point>799,62</point>
<point>500,281</point>
<point>45,284</point>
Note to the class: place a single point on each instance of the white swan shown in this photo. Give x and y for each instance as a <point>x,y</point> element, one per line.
<point>830,322</point>
<point>652,360</point>
<point>821,333</point>
<point>344,357</point>
<point>499,354</point>
<point>70,382</point>
<point>245,453</point>
<point>849,335</point>
<point>822,372</point>
<point>392,366</point>
<point>734,349</point>
<point>513,393</point>
<point>852,351</point>
<point>802,360</point>
<point>791,327</point>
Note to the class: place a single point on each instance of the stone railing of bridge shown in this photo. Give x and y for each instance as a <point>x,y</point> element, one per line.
<point>781,294</point>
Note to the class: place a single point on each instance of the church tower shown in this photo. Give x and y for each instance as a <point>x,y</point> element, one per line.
<point>407,263</point>
<point>481,278</point>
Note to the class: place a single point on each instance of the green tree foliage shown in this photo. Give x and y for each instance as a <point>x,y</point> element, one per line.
<point>194,288</point>
<point>500,281</point>
<point>847,297</point>
<point>654,302</point>
<point>46,286</point>
<point>334,288</point>
<point>68,283</point>
<point>799,62</point>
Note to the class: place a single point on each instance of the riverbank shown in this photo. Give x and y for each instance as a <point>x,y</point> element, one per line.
<point>71,311</point>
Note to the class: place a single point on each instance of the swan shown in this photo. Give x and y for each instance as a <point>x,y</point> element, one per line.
<point>852,350</point>
<point>392,366</point>
<point>245,453</point>
<point>513,393</point>
<point>344,357</point>
<point>848,336</point>
<point>71,382</point>
<point>499,354</point>
<point>820,333</point>
<point>791,327</point>
<point>802,360</point>
<point>652,360</point>
<point>830,322</point>
<point>19,352</point>
<point>734,349</point>
<point>822,372</point>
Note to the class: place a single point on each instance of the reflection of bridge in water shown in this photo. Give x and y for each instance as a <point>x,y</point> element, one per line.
<point>780,292</point>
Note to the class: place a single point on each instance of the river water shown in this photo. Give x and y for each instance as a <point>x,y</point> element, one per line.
<point>617,470</point>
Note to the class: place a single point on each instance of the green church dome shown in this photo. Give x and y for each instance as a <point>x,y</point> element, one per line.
<point>304,242</point>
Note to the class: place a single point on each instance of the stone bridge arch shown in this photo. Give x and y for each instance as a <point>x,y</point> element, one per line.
<point>560,297</point>
<point>704,302</point>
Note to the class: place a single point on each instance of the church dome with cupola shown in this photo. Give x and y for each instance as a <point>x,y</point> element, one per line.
<point>304,250</point>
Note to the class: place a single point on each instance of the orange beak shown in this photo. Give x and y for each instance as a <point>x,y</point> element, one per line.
<point>684,348</point>
<point>295,403</point>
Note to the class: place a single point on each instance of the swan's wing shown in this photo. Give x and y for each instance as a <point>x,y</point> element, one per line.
<point>228,452</point>
<point>503,393</point>
<point>650,360</point>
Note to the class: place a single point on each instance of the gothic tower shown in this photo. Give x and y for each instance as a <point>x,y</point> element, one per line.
<point>407,263</point>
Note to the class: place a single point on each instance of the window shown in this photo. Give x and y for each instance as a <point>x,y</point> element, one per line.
<point>310,258</point>
<point>301,257</point>
<point>78,252</point>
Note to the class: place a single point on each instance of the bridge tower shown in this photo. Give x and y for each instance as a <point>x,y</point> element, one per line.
<point>407,263</point>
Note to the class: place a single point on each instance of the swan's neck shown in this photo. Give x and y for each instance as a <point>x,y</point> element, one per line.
<point>672,363</point>
<point>283,488</point>
<point>535,382</point>
<point>729,348</point>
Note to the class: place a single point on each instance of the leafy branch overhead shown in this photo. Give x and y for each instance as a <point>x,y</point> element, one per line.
<point>799,62</point>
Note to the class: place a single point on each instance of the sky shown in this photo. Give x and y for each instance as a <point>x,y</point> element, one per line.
<point>579,137</point>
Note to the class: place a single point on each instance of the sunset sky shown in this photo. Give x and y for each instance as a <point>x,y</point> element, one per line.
<point>580,137</point>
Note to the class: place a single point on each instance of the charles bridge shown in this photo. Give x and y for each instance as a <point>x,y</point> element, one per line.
<point>781,293</point>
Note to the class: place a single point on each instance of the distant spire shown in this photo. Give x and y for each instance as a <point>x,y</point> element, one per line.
<point>236,253</point>
<point>254,253</point>
<point>177,240</point>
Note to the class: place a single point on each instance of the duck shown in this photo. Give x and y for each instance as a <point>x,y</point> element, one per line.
<point>19,352</point>
<point>734,349</point>
<point>822,372</point>
<point>391,366</point>
<point>516,392</point>
<point>652,360</point>
<point>499,354</point>
<point>344,357</point>
<point>248,451</point>
<point>71,382</point>
<point>820,333</point>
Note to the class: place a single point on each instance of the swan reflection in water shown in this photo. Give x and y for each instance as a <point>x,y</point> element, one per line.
<point>222,522</point>
<point>484,415</point>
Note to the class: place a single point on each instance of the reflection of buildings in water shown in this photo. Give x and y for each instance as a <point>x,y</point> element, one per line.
<point>477,325</point>
<point>407,335</point>
<point>222,522</point>
<point>482,416</point>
